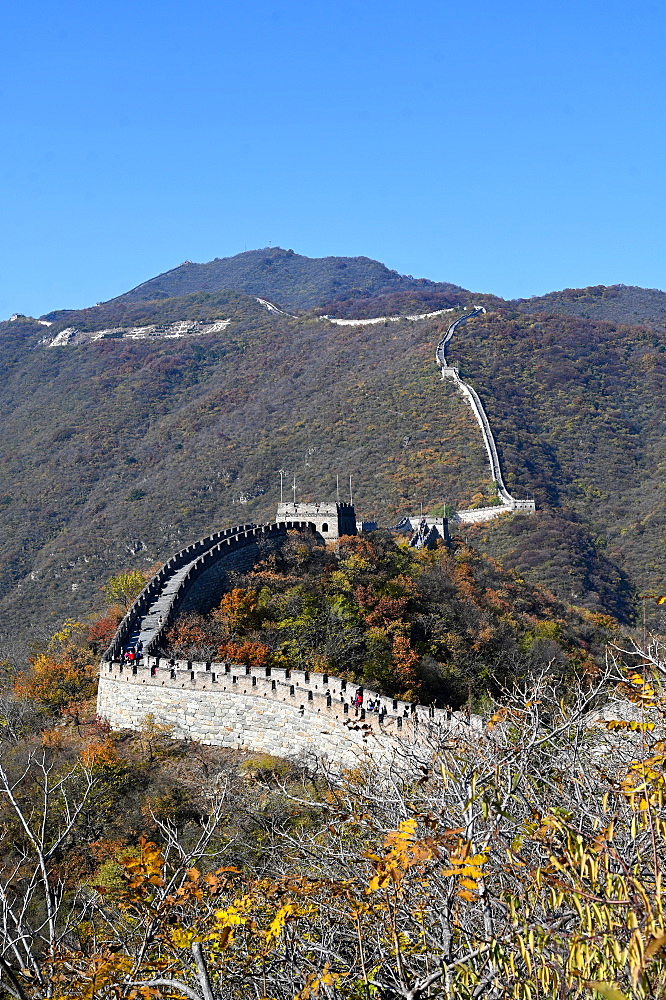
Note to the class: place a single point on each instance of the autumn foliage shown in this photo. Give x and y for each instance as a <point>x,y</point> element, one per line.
<point>479,870</point>
<point>435,625</point>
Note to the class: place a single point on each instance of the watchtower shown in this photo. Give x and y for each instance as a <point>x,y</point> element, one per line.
<point>330,520</point>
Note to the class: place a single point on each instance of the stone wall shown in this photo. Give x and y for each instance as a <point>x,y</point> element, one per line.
<point>195,577</point>
<point>287,713</point>
<point>205,590</point>
<point>330,520</point>
<point>508,504</point>
<point>140,605</point>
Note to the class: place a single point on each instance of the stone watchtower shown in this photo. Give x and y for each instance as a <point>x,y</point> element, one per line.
<point>330,520</point>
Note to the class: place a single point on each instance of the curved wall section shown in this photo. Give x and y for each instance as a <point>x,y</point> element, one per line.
<point>286,713</point>
<point>193,579</point>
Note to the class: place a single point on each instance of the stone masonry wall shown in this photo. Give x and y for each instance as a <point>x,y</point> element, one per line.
<point>195,578</point>
<point>286,713</point>
<point>206,589</point>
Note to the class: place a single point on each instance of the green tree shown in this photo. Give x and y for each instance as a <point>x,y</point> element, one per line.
<point>122,589</point>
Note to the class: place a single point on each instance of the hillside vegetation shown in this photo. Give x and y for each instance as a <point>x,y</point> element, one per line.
<point>525,856</point>
<point>286,278</point>
<point>578,408</point>
<point>519,859</point>
<point>118,452</point>
<point>444,626</point>
<point>123,451</point>
<point>617,303</point>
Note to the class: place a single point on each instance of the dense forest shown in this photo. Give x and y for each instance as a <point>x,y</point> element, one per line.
<point>442,626</point>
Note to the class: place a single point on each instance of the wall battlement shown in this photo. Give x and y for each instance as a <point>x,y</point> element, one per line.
<point>330,520</point>
<point>508,505</point>
<point>193,579</point>
<point>270,710</point>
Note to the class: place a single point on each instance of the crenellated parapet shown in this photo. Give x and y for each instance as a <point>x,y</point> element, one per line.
<point>508,504</point>
<point>193,579</point>
<point>288,713</point>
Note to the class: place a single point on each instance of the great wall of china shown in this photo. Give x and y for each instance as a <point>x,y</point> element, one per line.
<point>508,504</point>
<point>286,713</point>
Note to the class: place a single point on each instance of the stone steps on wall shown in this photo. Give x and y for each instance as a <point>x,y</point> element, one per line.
<point>181,577</point>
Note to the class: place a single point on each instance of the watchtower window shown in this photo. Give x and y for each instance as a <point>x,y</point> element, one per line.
<point>324,526</point>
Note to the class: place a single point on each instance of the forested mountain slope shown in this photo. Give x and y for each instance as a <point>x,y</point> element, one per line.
<point>617,303</point>
<point>288,279</point>
<point>118,451</point>
<point>579,413</point>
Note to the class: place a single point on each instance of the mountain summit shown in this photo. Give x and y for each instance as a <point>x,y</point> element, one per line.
<point>284,277</point>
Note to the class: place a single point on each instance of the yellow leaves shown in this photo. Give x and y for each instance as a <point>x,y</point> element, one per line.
<point>657,944</point>
<point>603,837</point>
<point>68,629</point>
<point>467,869</point>
<point>499,717</point>
<point>403,852</point>
<point>181,937</point>
<point>287,912</point>
<point>96,975</point>
<point>399,841</point>
<point>314,983</point>
<point>99,754</point>
<point>144,870</point>
<point>234,915</point>
<point>643,690</point>
<point>633,726</point>
<point>382,880</point>
<point>606,990</point>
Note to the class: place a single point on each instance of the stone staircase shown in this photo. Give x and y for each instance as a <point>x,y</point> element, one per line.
<point>192,579</point>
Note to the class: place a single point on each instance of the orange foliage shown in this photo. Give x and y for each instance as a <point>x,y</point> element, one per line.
<point>387,610</point>
<point>355,545</point>
<point>404,662</point>
<point>54,684</point>
<point>237,610</point>
<point>189,630</point>
<point>253,654</point>
<point>103,630</point>
<point>100,753</point>
<point>53,739</point>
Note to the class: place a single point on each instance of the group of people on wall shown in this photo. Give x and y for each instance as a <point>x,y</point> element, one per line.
<point>132,654</point>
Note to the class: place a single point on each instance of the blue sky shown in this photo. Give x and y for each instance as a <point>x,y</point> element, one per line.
<point>508,147</point>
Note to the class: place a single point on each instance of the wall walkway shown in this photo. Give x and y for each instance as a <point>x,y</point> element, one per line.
<point>193,579</point>
<point>508,503</point>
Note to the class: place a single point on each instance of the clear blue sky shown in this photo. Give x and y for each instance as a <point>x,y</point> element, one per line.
<point>512,147</point>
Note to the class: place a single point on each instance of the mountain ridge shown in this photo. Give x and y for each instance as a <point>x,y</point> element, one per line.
<point>116,451</point>
<point>282,276</point>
